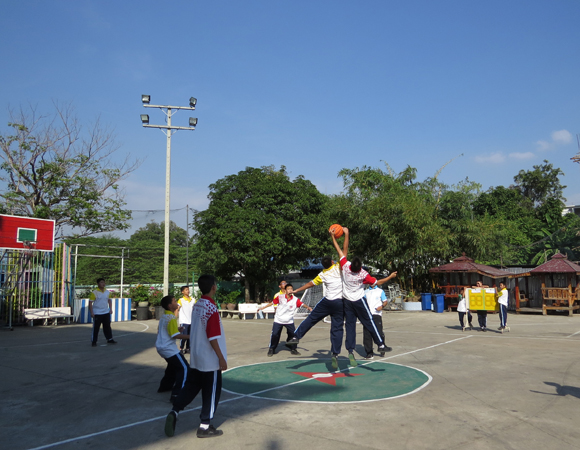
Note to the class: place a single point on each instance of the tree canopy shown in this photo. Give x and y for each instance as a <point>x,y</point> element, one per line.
<point>54,168</point>
<point>260,224</point>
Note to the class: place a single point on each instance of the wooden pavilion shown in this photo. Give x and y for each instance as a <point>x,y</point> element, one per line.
<point>464,272</point>
<point>563,292</point>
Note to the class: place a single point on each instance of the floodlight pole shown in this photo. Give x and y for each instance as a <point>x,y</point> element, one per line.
<point>169,130</point>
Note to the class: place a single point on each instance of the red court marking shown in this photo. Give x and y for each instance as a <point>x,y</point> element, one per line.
<point>326,377</point>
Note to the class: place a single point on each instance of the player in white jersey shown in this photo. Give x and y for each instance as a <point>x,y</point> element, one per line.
<point>330,305</point>
<point>354,277</point>
<point>284,318</point>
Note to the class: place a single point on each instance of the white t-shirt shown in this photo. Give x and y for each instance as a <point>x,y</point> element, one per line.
<point>185,310</point>
<point>286,308</point>
<point>353,282</point>
<point>206,326</point>
<point>462,305</point>
<point>100,301</point>
<point>331,280</point>
<point>375,298</point>
<point>165,344</point>
<point>503,297</point>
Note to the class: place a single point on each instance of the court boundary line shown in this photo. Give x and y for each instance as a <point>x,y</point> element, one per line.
<point>240,396</point>
<point>80,340</point>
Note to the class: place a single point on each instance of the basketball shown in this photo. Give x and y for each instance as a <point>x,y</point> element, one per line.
<point>337,230</point>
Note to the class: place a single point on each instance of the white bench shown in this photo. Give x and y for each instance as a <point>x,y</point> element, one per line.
<point>250,308</point>
<point>45,314</point>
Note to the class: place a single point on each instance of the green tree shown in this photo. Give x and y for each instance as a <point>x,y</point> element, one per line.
<point>393,223</point>
<point>146,250</point>
<point>541,184</point>
<point>55,169</point>
<point>260,224</point>
<point>89,268</point>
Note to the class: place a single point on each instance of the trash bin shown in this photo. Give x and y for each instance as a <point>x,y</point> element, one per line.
<point>438,302</point>
<point>142,313</point>
<point>425,302</point>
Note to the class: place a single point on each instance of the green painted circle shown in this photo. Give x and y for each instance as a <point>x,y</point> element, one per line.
<point>315,381</point>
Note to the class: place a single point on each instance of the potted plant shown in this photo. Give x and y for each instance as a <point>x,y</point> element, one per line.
<point>155,296</point>
<point>140,295</point>
<point>229,299</point>
<point>412,302</point>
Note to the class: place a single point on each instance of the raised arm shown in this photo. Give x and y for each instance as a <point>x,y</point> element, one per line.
<point>303,288</point>
<point>264,307</point>
<point>384,280</point>
<point>346,241</point>
<point>336,246</point>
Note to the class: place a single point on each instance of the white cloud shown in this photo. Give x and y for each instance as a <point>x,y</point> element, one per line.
<point>544,145</point>
<point>493,158</point>
<point>526,155</point>
<point>562,137</point>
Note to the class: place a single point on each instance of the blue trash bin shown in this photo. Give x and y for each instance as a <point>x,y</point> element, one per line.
<point>438,303</point>
<point>426,302</point>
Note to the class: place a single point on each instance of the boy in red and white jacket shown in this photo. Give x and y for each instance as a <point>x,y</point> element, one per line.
<point>354,277</point>
<point>284,318</point>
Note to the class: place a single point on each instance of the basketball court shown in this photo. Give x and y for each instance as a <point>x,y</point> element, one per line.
<point>439,388</point>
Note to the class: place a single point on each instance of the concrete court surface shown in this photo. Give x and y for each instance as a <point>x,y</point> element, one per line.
<point>519,390</point>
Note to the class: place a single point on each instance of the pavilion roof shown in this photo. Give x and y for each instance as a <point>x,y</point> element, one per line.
<point>557,264</point>
<point>465,264</point>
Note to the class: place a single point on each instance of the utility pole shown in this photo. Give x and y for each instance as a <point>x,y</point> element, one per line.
<point>168,130</point>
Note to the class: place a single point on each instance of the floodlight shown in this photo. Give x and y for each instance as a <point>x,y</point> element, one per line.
<point>146,99</point>
<point>192,121</point>
<point>145,119</point>
<point>192,102</point>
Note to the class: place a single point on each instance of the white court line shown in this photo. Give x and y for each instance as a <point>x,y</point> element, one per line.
<point>78,340</point>
<point>129,425</point>
<point>573,334</point>
<point>488,335</point>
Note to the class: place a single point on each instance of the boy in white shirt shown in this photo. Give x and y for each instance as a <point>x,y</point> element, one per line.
<point>330,305</point>
<point>462,309</point>
<point>376,300</point>
<point>208,360</point>
<point>354,277</point>
<point>284,318</point>
<point>167,333</point>
<point>185,304</point>
<point>503,299</point>
<point>100,308</point>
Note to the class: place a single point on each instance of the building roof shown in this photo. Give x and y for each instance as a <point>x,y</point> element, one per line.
<point>465,264</point>
<point>557,264</point>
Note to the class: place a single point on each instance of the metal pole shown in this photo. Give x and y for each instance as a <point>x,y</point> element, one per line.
<point>122,268</point>
<point>187,245</point>
<point>167,183</point>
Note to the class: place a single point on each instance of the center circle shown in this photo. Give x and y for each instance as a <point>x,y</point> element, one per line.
<point>314,380</point>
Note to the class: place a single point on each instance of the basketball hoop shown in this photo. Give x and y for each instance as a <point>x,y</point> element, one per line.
<point>29,246</point>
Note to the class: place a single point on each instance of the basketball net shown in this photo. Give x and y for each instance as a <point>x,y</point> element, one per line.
<point>29,247</point>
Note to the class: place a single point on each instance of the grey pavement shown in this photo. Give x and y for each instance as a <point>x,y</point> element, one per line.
<point>519,390</point>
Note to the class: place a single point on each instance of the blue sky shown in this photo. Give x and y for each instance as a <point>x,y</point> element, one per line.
<point>316,86</point>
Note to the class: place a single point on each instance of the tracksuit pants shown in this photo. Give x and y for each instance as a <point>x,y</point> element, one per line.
<point>502,315</point>
<point>359,309</point>
<point>187,330</point>
<point>482,318</point>
<point>175,374</point>
<point>210,385</point>
<point>367,336</point>
<point>277,332</point>
<point>462,318</point>
<point>325,307</point>
<point>104,319</point>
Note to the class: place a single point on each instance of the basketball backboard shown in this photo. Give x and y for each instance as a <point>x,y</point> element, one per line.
<point>20,233</point>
